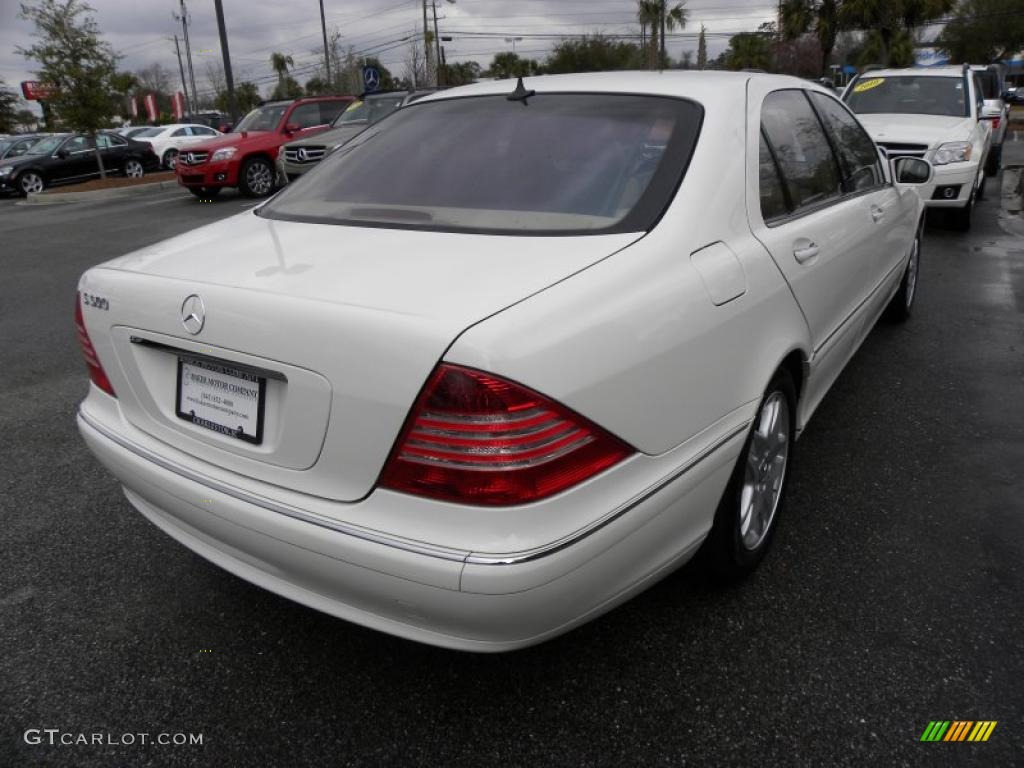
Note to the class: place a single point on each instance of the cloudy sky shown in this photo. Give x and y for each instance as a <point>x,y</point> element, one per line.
<point>142,30</point>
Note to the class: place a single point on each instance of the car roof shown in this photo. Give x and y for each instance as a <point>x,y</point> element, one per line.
<point>706,87</point>
<point>944,71</point>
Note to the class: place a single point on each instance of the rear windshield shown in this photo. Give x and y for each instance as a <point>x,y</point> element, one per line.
<point>908,94</point>
<point>558,164</point>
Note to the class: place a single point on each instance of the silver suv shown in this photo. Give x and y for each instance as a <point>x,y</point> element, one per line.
<point>996,111</point>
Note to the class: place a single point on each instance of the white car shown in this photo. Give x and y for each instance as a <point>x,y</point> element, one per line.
<point>935,113</point>
<point>995,110</point>
<point>479,402</point>
<point>169,140</point>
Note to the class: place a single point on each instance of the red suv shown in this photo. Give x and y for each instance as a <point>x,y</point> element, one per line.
<point>245,157</point>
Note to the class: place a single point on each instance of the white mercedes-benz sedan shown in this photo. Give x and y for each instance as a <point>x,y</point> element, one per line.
<point>512,355</point>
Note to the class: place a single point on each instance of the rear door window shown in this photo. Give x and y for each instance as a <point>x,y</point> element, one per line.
<point>801,148</point>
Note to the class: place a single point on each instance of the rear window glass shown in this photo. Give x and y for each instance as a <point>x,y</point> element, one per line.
<point>558,164</point>
<point>908,94</point>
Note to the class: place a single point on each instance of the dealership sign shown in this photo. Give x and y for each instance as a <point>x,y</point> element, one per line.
<point>33,90</point>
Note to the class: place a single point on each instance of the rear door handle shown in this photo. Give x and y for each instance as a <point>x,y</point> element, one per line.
<point>877,214</point>
<point>805,254</point>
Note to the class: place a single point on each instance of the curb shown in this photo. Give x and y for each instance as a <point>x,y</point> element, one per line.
<point>56,198</point>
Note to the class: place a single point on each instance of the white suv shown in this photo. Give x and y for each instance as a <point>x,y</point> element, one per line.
<point>934,113</point>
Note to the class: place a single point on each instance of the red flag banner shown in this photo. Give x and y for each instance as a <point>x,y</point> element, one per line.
<point>178,105</point>
<point>151,107</point>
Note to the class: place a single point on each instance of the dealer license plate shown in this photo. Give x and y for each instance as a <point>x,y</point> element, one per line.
<point>221,398</point>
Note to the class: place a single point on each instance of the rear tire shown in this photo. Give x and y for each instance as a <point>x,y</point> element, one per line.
<point>995,160</point>
<point>256,179</point>
<point>134,169</point>
<point>748,513</point>
<point>902,302</point>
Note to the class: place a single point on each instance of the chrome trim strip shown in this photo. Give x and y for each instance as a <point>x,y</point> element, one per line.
<point>534,554</point>
<point>406,545</point>
<point>265,373</point>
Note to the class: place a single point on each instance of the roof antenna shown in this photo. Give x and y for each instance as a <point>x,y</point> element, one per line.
<point>520,93</point>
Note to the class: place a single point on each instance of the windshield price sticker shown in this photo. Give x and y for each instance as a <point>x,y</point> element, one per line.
<point>867,85</point>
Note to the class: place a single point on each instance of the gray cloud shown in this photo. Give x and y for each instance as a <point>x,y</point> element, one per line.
<point>142,30</point>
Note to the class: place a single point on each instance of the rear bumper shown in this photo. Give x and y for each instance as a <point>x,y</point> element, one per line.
<point>219,174</point>
<point>424,592</point>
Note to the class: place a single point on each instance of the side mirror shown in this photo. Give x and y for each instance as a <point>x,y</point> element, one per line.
<point>911,170</point>
<point>292,128</point>
<point>63,154</point>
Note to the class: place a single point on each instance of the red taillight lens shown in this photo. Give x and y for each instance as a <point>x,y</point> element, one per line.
<point>477,439</point>
<point>92,362</point>
<point>995,123</point>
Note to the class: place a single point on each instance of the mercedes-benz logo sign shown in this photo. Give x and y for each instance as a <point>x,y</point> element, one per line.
<point>302,155</point>
<point>193,314</point>
<point>188,158</point>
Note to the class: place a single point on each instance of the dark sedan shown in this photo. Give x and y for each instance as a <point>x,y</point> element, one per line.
<point>16,146</point>
<point>69,158</point>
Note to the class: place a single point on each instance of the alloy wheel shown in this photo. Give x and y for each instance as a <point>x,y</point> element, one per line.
<point>765,470</point>
<point>31,183</point>
<point>170,159</point>
<point>915,255</point>
<point>259,178</point>
<point>133,168</point>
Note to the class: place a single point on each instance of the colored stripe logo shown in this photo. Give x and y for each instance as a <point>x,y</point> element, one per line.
<point>958,730</point>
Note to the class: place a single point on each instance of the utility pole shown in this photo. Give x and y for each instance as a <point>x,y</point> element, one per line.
<point>661,59</point>
<point>228,77</point>
<point>426,44</point>
<point>181,69</point>
<point>188,53</point>
<point>327,53</point>
<point>437,45</point>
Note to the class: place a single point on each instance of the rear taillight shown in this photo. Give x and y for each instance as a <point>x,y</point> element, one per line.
<point>92,361</point>
<point>477,439</point>
<point>995,123</point>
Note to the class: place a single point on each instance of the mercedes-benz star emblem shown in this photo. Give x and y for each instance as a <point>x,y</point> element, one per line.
<point>302,154</point>
<point>193,314</point>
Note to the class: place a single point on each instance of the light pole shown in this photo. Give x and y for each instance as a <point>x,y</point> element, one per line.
<point>327,54</point>
<point>188,53</point>
<point>229,80</point>
<point>513,40</point>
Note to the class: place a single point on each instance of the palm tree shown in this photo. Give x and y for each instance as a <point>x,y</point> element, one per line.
<point>280,63</point>
<point>819,16</point>
<point>667,20</point>
<point>648,13</point>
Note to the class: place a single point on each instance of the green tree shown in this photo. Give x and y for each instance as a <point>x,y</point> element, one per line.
<point>891,25</point>
<point>280,63</point>
<point>247,96</point>
<point>72,56</point>
<point>749,50</point>
<point>661,15</point>
<point>8,108</point>
<point>463,73</point>
<point>593,54</point>
<point>818,16</point>
<point>702,50</point>
<point>983,31</point>
<point>508,64</point>
<point>26,119</point>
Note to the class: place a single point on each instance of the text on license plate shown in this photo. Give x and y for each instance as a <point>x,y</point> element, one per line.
<point>221,398</point>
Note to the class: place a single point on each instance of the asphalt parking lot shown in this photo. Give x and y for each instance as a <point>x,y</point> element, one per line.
<point>892,596</point>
